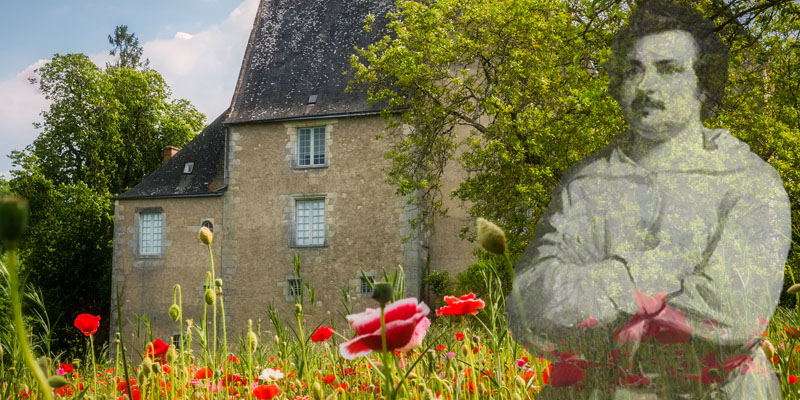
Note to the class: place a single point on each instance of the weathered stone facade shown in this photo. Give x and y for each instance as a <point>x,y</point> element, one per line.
<point>248,181</point>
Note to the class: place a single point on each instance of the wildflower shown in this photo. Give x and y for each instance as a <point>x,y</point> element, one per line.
<point>459,336</point>
<point>466,304</point>
<point>203,373</point>
<point>791,331</point>
<point>328,379</point>
<point>793,379</point>
<point>322,334</point>
<point>588,323</point>
<point>451,355</point>
<point>67,368</point>
<point>631,380</point>
<point>565,374</point>
<point>157,350</point>
<point>87,323</point>
<point>655,319</point>
<point>406,325</point>
<point>263,392</point>
<point>270,375</point>
<point>490,236</point>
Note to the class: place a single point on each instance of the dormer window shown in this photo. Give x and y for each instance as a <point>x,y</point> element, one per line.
<point>188,168</point>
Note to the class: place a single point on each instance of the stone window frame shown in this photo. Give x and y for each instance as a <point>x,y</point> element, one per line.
<point>138,228</point>
<point>293,199</point>
<point>286,284</point>
<point>357,282</point>
<point>292,131</point>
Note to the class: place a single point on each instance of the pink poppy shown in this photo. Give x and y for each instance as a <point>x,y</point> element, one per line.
<point>466,304</point>
<point>655,319</point>
<point>406,326</point>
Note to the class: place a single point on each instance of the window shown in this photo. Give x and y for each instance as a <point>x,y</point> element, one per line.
<point>310,220</point>
<point>311,146</point>
<point>150,233</point>
<point>208,224</point>
<point>188,168</point>
<point>176,340</point>
<point>366,284</point>
<point>295,287</point>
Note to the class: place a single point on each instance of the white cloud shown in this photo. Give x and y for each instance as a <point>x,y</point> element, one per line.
<point>201,67</point>
<point>20,105</point>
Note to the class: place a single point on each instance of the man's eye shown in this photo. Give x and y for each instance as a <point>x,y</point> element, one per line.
<point>633,70</point>
<point>669,69</point>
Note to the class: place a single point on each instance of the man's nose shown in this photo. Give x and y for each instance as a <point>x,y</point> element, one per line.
<point>649,81</point>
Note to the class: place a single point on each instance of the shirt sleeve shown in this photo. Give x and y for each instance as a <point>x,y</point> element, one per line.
<point>564,277</point>
<point>735,282</point>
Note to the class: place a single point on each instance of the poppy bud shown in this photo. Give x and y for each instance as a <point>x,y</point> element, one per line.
<point>13,218</point>
<point>205,235</point>
<point>44,364</point>
<point>516,396</point>
<point>147,366</point>
<point>768,347</point>
<point>491,237</point>
<point>316,391</point>
<point>382,292</point>
<point>794,289</point>
<point>156,367</point>
<point>298,308</point>
<point>210,297</point>
<point>175,312</point>
<point>465,350</point>
<point>171,354</point>
<point>218,282</point>
<point>276,340</point>
<point>252,340</point>
<point>56,381</point>
<point>520,383</point>
<point>428,395</point>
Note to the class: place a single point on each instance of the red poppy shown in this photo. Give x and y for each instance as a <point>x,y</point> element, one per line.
<point>588,323</point>
<point>322,334</point>
<point>406,325</point>
<point>67,368</point>
<point>232,358</point>
<point>459,336</point>
<point>793,379</point>
<point>466,304</point>
<point>655,319</point>
<point>135,392</point>
<point>203,373</point>
<point>263,392</point>
<point>87,323</point>
<point>328,379</point>
<point>123,385</point>
<point>631,380</point>
<point>565,374</point>
<point>791,331</point>
<point>157,350</point>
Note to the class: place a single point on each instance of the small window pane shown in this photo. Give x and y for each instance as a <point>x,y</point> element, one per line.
<point>295,287</point>
<point>304,146</point>
<point>311,146</point>
<point>365,284</point>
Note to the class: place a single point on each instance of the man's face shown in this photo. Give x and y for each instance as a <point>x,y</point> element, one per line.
<point>659,95</point>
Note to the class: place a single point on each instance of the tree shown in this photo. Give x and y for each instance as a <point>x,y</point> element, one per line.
<point>526,77</point>
<point>102,134</point>
<point>127,46</point>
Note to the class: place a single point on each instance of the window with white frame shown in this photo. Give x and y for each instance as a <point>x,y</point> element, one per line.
<point>310,222</point>
<point>150,233</point>
<point>311,146</point>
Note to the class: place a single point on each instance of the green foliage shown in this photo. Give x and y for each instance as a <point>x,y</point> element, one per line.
<point>515,93</point>
<point>126,48</point>
<point>102,134</point>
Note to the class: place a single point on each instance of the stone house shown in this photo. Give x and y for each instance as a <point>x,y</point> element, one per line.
<point>293,166</point>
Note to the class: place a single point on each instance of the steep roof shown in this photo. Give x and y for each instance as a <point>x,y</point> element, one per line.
<point>301,48</point>
<point>206,151</point>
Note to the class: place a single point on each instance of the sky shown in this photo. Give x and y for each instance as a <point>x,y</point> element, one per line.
<point>196,45</point>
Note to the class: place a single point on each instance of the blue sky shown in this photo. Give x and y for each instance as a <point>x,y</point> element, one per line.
<point>197,45</point>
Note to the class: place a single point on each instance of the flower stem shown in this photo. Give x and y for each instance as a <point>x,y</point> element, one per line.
<point>94,368</point>
<point>19,328</point>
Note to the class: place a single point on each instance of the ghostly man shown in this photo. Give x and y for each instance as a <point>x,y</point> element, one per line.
<point>660,259</point>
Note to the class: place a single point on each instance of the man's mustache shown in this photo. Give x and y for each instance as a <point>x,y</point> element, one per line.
<point>643,102</point>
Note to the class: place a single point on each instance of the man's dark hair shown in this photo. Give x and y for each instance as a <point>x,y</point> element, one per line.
<point>656,16</point>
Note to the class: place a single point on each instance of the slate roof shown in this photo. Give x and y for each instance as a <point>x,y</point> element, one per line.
<point>206,151</point>
<point>300,48</point>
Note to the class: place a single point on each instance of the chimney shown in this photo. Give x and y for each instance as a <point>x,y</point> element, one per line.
<point>169,152</point>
